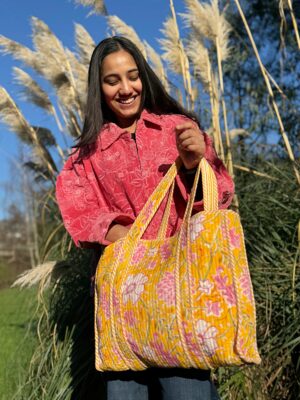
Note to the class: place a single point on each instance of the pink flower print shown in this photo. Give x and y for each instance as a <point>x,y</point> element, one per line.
<point>166,288</point>
<point>229,294</point>
<point>138,253</point>
<point>104,304</point>
<point>118,252</point>
<point>213,308</point>
<point>196,227</point>
<point>192,345</point>
<point>151,264</point>
<point>207,336</point>
<point>246,285</point>
<point>220,280</point>
<point>241,346</point>
<point>184,238</point>
<point>235,239</point>
<point>171,359</point>
<point>133,344</point>
<point>226,289</point>
<point>165,251</point>
<point>205,286</point>
<point>193,256</point>
<point>134,287</point>
<point>116,302</point>
<point>129,318</point>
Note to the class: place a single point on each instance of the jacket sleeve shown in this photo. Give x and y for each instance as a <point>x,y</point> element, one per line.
<point>86,215</point>
<point>224,181</point>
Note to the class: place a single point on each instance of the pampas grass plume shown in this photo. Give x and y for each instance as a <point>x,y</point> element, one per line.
<point>122,29</point>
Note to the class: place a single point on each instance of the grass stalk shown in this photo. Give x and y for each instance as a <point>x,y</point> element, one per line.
<point>295,265</point>
<point>294,21</point>
<point>9,110</point>
<point>119,27</point>
<point>213,118</point>
<point>216,116</point>
<point>270,90</point>
<point>184,62</point>
<point>59,125</point>
<point>98,6</point>
<point>157,65</point>
<point>229,162</point>
<point>254,172</point>
<point>276,85</point>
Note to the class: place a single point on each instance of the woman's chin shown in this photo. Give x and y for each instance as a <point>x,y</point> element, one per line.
<point>127,115</point>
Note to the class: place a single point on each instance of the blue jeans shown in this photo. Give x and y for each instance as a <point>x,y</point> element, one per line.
<point>160,384</point>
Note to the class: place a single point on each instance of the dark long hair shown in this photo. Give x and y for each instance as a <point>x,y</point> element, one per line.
<point>154,97</point>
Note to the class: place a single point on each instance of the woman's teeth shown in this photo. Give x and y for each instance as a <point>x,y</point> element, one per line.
<point>127,101</point>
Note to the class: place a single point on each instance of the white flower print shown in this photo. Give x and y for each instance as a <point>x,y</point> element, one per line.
<point>206,334</point>
<point>152,252</point>
<point>134,287</point>
<point>205,286</point>
<point>149,353</point>
<point>196,227</point>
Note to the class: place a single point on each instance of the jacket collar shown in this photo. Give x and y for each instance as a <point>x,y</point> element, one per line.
<point>111,131</point>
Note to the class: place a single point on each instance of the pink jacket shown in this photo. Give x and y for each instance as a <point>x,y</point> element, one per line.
<point>111,180</point>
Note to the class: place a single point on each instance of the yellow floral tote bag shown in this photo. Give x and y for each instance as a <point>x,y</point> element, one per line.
<point>183,301</point>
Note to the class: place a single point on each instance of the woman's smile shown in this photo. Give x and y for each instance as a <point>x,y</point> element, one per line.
<point>128,101</point>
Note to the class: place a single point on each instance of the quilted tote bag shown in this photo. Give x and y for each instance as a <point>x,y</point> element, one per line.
<point>182,301</point>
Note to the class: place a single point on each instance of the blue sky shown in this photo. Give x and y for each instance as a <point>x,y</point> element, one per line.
<point>60,15</point>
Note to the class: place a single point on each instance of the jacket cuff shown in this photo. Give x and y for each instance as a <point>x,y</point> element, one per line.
<point>99,230</point>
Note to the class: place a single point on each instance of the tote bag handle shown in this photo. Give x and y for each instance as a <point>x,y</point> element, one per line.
<point>210,197</point>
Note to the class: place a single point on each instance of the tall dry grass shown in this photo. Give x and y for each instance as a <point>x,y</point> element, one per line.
<point>174,54</point>
<point>271,93</point>
<point>209,23</point>
<point>98,6</point>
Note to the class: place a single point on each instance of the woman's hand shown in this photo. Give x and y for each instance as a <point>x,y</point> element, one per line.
<point>116,232</point>
<point>190,144</point>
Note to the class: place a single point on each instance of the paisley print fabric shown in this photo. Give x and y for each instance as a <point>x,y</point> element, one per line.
<point>111,180</point>
<point>181,301</point>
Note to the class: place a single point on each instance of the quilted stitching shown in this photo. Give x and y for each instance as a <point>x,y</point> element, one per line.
<point>183,301</point>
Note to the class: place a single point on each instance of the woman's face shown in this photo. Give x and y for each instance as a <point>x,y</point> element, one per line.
<point>121,87</point>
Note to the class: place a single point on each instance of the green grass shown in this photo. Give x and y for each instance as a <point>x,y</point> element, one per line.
<point>17,337</point>
<point>7,274</point>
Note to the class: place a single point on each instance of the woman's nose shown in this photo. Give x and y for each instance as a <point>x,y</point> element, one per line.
<point>125,87</point>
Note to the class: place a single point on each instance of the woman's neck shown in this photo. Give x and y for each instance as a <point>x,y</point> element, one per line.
<point>129,125</point>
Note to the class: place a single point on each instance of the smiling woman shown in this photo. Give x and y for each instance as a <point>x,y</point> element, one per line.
<point>106,183</point>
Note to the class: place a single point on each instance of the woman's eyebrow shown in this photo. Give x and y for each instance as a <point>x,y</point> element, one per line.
<point>115,74</point>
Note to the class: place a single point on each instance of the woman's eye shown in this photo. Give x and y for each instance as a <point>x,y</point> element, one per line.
<point>134,77</point>
<point>111,82</point>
